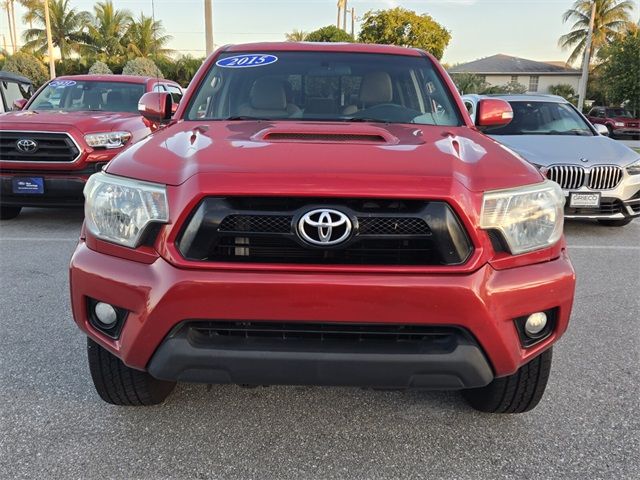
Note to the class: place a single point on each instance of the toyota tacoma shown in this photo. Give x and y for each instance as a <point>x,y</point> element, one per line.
<point>322,214</point>
<point>67,131</point>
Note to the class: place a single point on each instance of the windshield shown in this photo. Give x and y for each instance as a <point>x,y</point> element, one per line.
<point>74,96</point>
<point>618,112</point>
<point>543,118</point>
<point>324,86</point>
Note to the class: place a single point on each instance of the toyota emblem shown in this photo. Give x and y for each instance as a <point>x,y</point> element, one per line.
<point>26,145</point>
<point>324,227</point>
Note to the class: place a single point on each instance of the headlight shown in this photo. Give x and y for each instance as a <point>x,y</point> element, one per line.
<point>619,124</point>
<point>119,209</point>
<point>634,168</point>
<point>107,139</point>
<point>529,218</point>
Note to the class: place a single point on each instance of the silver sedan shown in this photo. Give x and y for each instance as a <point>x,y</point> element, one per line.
<point>599,176</point>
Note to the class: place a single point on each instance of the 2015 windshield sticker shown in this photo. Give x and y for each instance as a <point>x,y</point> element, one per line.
<point>62,83</point>
<point>247,60</point>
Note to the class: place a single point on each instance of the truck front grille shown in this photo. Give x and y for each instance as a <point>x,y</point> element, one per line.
<point>49,147</point>
<point>265,230</point>
<point>572,177</point>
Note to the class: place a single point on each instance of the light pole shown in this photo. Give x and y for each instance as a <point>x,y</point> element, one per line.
<point>47,21</point>
<point>208,26</point>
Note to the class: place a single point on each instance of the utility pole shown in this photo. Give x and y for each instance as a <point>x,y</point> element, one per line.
<point>15,28</point>
<point>7,6</point>
<point>353,22</point>
<point>586,59</point>
<point>338,20</point>
<point>47,21</point>
<point>208,26</point>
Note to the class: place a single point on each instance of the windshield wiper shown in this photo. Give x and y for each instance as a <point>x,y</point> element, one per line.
<point>244,117</point>
<point>364,119</point>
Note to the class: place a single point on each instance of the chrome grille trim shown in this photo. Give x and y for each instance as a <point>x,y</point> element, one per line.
<point>567,176</point>
<point>604,177</point>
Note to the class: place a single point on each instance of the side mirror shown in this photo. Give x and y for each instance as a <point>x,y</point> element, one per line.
<point>601,129</point>
<point>174,107</point>
<point>156,106</point>
<point>19,104</point>
<point>493,112</point>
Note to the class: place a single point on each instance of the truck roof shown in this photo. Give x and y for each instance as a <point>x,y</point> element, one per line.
<point>322,47</point>
<point>112,78</point>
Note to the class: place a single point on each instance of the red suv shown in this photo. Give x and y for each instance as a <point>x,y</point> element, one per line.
<point>67,131</point>
<point>322,214</point>
<point>618,121</point>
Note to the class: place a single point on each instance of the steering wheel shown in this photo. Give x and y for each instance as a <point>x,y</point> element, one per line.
<point>388,111</point>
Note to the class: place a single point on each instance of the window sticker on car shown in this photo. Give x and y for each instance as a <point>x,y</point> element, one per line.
<point>62,83</point>
<point>247,60</point>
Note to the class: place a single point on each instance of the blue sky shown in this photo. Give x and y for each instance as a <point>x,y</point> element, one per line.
<point>479,28</point>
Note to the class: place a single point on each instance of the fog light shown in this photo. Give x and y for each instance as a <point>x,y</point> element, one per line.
<point>105,314</point>
<point>535,323</point>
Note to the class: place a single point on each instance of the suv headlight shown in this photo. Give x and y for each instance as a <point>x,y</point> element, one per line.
<point>119,209</point>
<point>107,139</point>
<point>529,218</point>
<point>619,124</point>
<point>634,168</point>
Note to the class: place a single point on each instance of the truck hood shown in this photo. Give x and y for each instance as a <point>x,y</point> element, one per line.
<point>322,155</point>
<point>85,122</point>
<point>546,150</point>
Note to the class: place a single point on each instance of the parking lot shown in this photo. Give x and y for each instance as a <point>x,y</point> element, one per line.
<point>53,424</point>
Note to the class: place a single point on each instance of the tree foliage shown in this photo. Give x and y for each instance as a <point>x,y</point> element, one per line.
<point>621,69</point>
<point>611,17</point>
<point>28,66</point>
<point>100,68</point>
<point>330,33</point>
<point>296,36</point>
<point>471,83</point>
<point>146,38</point>
<point>399,26</point>
<point>106,31</point>
<point>564,90</point>
<point>142,66</point>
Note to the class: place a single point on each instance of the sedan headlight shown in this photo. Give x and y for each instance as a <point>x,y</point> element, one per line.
<point>529,218</point>
<point>634,168</point>
<point>107,139</point>
<point>119,209</point>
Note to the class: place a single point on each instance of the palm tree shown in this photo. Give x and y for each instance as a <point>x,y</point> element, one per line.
<point>67,28</point>
<point>296,36</point>
<point>145,38</point>
<point>107,30</point>
<point>611,17</point>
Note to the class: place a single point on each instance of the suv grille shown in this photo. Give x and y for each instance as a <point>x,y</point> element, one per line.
<point>385,232</point>
<point>571,177</point>
<point>51,147</point>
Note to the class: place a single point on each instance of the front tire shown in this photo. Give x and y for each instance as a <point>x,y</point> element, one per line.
<point>515,393</point>
<point>8,212</point>
<point>120,385</point>
<point>615,223</point>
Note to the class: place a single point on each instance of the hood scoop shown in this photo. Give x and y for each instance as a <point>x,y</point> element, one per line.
<point>327,134</point>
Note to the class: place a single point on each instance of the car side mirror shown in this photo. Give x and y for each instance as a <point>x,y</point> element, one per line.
<point>493,112</point>
<point>174,108</point>
<point>19,104</point>
<point>601,129</point>
<point>156,106</point>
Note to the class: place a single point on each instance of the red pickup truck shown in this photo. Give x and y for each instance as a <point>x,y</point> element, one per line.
<point>322,214</point>
<point>67,131</point>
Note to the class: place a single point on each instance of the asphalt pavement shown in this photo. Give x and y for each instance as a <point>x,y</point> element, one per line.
<point>53,425</point>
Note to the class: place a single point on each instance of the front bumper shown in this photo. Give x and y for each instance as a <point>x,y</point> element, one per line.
<point>615,204</point>
<point>61,189</point>
<point>159,297</point>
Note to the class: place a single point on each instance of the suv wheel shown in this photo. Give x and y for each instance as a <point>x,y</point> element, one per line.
<point>516,393</point>
<point>7,213</point>
<point>120,385</point>
<point>615,223</point>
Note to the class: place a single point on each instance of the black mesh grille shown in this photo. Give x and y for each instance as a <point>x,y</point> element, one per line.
<point>51,147</point>
<point>264,230</point>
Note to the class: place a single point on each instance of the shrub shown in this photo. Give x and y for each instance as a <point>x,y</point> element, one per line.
<point>100,68</point>
<point>28,66</point>
<point>143,67</point>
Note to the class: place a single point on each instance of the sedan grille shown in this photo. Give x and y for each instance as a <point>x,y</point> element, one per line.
<point>46,147</point>
<point>572,177</point>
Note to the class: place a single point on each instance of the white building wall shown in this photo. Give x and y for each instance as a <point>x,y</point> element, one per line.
<point>544,81</point>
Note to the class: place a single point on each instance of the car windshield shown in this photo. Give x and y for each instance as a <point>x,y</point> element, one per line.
<point>83,95</point>
<point>618,112</point>
<point>543,118</point>
<point>324,86</point>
